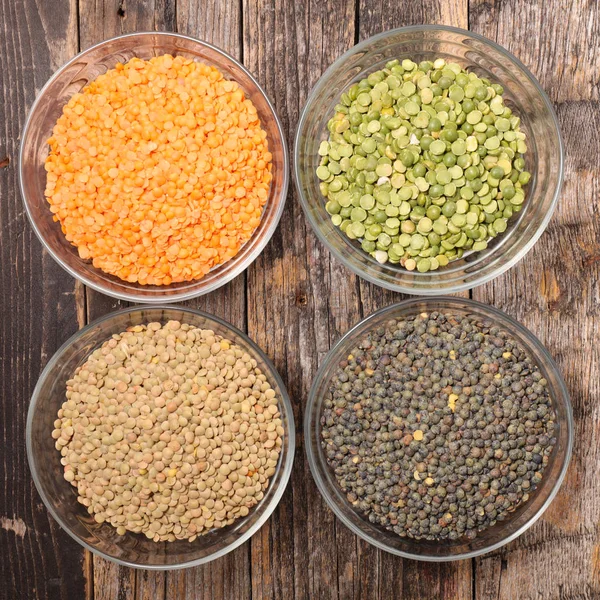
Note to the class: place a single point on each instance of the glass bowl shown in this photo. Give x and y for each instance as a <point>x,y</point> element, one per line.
<point>490,539</point>
<point>60,497</point>
<point>523,94</point>
<point>75,75</point>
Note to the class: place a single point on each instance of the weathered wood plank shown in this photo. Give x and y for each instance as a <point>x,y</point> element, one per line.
<point>227,578</point>
<point>150,585</point>
<point>299,301</point>
<point>103,19</point>
<point>554,292</point>
<point>431,581</point>
<point>38,560</point>
<point>219,23</point>
<point>374,17</point>
<point>113,582</point>
<point>411,579</point>
<point>557,40</point>
<point>99,20</point>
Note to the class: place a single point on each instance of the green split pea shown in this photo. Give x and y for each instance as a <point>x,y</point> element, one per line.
<point>424,162</point>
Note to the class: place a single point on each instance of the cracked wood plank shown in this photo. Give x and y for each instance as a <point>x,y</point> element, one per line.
<point>415,580</point>
<point>38,559</point>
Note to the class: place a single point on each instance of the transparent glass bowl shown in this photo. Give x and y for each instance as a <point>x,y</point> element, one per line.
<point>489,539</point>
<point>60,497</point>
<point>75,75</point>
<point>523,94</point>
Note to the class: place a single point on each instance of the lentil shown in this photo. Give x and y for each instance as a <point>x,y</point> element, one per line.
<point>438,426</point>
<point>171,456</point>
<point>158,170</point>
<point>411,138</point>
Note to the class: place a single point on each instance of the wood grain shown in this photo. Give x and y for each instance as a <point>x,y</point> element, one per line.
<point>37,559</point>
<point>557,40</point>
<point>296,301</point>
<point>417,581</point>
<point>103,19</point>
<point>113,582</point>
<point>150,585</point>
<point>222,27</point>
<point>99,20</point>
<point>227,578</point>
<point>554,292</point>
<point>217,22</point>
<point>375,16</point>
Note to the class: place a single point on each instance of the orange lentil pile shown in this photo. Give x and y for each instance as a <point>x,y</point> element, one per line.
<point>158,170</point>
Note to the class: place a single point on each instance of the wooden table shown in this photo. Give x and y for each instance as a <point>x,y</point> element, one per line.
<point>295,301</point>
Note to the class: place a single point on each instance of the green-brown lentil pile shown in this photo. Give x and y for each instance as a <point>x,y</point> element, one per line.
<point>423,163</point>
<point>438,426</point>
<point>169,431</point>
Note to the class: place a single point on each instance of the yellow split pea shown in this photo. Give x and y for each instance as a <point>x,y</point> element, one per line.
<point>158,170</point>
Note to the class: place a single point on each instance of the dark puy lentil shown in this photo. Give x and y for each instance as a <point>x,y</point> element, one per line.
<point>438,426</point>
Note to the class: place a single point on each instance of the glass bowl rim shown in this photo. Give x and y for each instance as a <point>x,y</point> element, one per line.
<point>491,312</point>
<point>290,436</point>
<point>358,270</point>
<point>159,296</point>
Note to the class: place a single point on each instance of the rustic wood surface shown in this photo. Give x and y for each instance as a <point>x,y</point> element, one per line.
<point>295,301</point>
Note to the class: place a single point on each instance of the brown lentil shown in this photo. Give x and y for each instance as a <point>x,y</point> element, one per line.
<point>138,456</point>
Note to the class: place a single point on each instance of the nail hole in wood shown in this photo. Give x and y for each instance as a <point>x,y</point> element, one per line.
<point>301,300</point>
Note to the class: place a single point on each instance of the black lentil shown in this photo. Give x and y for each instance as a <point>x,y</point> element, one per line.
<point>438,426</point>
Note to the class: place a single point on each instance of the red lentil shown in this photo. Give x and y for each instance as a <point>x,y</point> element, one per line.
<point>158,170</point>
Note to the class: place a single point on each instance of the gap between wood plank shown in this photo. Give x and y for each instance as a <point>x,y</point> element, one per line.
<point>245,275</point>
<point>81,308</point>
